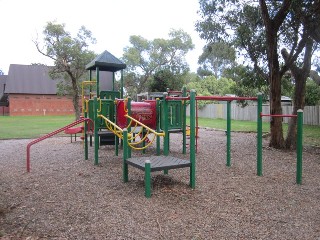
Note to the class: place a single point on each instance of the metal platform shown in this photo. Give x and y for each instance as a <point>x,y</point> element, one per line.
<point>158,163</point>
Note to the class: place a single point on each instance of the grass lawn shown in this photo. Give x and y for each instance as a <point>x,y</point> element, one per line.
<point>311,134</point>
<point>35,126</point>
<point>31,126</point>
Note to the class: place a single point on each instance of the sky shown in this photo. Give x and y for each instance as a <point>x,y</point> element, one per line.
<point>111,22</point>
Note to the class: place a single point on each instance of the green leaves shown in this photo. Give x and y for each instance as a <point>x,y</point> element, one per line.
<point>145,57</point>
<point>70,56</point>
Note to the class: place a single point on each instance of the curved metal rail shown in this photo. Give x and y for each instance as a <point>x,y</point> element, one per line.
<point>52,134</point>
<point>119,132</point>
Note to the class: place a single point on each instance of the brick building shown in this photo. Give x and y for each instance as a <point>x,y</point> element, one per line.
<point>4,103</point>
<point>29,90</point>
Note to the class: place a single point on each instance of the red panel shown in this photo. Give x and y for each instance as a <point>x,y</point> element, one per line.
<point>144,112</point>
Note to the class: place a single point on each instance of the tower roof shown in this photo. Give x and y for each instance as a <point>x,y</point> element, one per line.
<point>106,62</point>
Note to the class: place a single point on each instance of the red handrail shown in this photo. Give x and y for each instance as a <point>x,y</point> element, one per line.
<point>225,98</point>
<point>54,133</point>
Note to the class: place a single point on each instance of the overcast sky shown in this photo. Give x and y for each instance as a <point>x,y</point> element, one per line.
<point>111,22</point>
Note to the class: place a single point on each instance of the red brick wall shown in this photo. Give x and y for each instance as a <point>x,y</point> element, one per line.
<point>4,111</point>
<point>33,104</point>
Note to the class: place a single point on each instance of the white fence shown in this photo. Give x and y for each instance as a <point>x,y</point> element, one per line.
<point>311,114</point>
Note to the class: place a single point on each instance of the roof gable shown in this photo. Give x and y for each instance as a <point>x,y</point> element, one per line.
<point>31,79</point>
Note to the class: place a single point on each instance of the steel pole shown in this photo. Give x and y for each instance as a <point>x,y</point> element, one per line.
<point>228,133</point>
<point>299,146</point>
<point>259,135</point>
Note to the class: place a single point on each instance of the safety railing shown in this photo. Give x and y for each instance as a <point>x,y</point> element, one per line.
<point>139,129</point>
<point>52,134</point>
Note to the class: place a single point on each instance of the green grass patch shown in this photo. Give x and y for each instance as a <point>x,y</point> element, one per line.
<point>36,126</point>
<point>31,126</point>
<point>311,134</point>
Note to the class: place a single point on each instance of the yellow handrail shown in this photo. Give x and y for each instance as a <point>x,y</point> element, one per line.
<point>116,129</point>
<point>142,139</point>
<point>119,132</point>
<point>160,134</point>
<point>141,148</point>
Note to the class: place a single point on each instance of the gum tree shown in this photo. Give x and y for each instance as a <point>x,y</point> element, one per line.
<point>146,57</point>
<point>70,56</point>
<point>258,30</point>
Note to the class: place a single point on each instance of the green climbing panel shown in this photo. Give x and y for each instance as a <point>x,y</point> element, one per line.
<point>174,116</point>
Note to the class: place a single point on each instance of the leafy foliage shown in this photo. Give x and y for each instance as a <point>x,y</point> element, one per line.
<point>144,58</point>
<point>258,30</point>
<point>212,86</point>
<point>70,56</point>
<point>164,79</point>
<point>312,93</point>
<point>216,57</point>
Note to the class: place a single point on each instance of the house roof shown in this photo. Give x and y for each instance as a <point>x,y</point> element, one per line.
<point>34,79</point>
<point>31,79</point>
<point>106,62</point>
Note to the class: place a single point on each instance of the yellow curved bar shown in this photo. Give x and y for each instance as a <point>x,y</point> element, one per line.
<point>115,127</point>
<point>142,138</point>
<point>141,148</point>
<point>136,134</point>
<point>100,105</point>
<point>87,105</point>
<point>119,132</point>
<point>146,127</point>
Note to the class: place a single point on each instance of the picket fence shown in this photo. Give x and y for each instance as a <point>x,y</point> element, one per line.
<point>311,114</point>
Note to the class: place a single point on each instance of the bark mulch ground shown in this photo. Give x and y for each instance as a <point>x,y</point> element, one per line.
<point>67,197</point>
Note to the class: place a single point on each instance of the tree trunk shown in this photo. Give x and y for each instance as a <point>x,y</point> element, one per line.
<point>276,137</point>
<point>276,131</point>
<point>75,98</point>
<point>299,96</point>
<point>272,26</point>
<point>300,75</point>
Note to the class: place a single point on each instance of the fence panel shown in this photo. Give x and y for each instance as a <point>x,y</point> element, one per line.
<point>311,114</point>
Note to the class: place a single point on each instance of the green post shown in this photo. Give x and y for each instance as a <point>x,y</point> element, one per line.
<point>90,86</point>
<point>193,139</point>
<point>147,178</point>
<point>158,125</point>
<point>85,133</point>
<point>117,145</point>
<point>96,136</point>
<point>116,138</point>
<point>125,156</point>
<point>97,74</point>
<point>299,145</point>
<point>165,125</point>
<point>121,90</point>
<point>259,135</point>
<point>129,128</point>
<point>228,133</point>
<point>184,122</point>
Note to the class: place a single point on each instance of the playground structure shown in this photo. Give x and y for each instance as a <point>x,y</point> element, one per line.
<point>137,125</point>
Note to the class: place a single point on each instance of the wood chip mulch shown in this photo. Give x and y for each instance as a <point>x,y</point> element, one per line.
<point>67,197</point>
